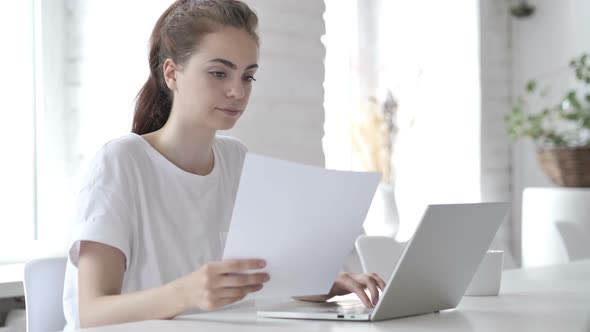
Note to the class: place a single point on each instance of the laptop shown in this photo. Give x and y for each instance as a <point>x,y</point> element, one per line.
<point>433,272</point>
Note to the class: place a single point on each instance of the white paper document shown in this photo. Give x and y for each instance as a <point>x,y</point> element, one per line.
<point>303,220</point>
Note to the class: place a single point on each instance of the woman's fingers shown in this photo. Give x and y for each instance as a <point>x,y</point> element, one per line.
<point>357,283</point>
<point>380,282</point>
<point>240,280</point>
<point>236,265</point>
<point>357,288</point>
<point>221,283</point>
<point>371,284</point>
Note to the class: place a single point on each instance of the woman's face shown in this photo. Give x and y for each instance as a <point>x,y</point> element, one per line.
<point>211,90</point>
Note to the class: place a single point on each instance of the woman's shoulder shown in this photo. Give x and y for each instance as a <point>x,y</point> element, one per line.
<point>125,146</point>
<point>230,145</point>
<point>114,157</point>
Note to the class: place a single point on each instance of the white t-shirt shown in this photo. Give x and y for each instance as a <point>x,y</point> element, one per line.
<point>167,222</point>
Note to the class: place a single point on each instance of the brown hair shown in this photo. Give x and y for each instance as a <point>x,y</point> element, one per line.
<point>176,36</point>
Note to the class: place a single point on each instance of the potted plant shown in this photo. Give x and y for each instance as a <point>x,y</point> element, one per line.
<point>374,131</point>
<point>560,132</point>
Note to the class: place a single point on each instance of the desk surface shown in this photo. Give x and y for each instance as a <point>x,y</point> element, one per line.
<point>555,298</point>
<point>11,280</point>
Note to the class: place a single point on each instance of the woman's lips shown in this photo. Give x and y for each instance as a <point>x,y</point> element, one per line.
<point>230,111</point>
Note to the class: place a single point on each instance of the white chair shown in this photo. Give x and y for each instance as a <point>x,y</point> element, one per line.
<point>555,225</point>
<point>379,254</point>
<point>44,284</point>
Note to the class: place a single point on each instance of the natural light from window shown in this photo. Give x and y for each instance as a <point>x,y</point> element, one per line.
<point>428,55</point>
<point>17,137</point>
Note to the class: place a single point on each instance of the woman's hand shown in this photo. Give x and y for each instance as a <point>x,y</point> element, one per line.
<point>347,283</point>
<point>221,283</point>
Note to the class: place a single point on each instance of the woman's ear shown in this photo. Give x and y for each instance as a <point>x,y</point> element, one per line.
<point>170,69</point>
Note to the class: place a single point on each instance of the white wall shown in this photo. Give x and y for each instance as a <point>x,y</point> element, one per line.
<point>512,52</point>
<point>542,45</point>
<point>496,77</point>
<point>285,118</point>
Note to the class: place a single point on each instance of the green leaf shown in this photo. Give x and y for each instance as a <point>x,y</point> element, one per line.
<point>544,126</point>
<point>531,86</point>
<point>573,99</point>
<point>569,116</point>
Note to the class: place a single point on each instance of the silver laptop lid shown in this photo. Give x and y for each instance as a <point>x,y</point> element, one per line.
<point>440,260</point>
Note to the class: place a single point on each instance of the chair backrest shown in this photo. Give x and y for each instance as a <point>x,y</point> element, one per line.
<point>379,254</point>
<point>44,284</point>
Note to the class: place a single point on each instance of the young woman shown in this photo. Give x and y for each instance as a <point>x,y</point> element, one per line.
<point>154,203</point>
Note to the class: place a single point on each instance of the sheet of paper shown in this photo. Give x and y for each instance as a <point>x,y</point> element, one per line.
<point>303,220</point>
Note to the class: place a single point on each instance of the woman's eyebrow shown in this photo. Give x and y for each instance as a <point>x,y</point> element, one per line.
<point>231,64</point>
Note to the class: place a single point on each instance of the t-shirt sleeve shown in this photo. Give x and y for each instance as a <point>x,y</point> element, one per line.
<point>235,151</point>
<point>242,149</point>
<point>104,213</point>
<point>103,217</point>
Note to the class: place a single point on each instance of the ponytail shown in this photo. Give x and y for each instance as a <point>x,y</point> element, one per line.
<point>154,100</point>
<point>152,108</point>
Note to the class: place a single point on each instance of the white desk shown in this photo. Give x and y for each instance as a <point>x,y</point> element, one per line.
<point>555,298</point>
<point>11,280</point>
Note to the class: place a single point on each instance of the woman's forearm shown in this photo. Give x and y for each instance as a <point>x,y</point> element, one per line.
<point>163,302</point>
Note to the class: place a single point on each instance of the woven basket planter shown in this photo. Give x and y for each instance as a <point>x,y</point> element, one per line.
<point>569,167</point>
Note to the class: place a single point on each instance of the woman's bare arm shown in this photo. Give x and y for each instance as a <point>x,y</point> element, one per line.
<point>100,278</point>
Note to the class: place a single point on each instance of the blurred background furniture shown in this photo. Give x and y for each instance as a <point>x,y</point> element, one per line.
<point>555,225</point>
<point>379,254</point>
<point>44,284</point>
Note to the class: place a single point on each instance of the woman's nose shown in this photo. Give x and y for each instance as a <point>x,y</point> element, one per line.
<point>236,90</point>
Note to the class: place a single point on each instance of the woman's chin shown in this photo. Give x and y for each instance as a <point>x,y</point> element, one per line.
<point>226,125</point>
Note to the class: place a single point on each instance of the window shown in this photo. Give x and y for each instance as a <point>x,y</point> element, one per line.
<point>427,54</point>
<point>340,86</point>
<point>60,66</point>
<point>17,137</point>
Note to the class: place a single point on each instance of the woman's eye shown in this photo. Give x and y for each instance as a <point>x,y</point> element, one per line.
<point>249,78</point>
<point>217,74</point>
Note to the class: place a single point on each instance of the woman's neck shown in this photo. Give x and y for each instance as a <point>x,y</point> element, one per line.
<point>188,148</point>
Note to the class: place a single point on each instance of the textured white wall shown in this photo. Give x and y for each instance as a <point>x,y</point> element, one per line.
<point>496,78</point>
<point>285,118</point>
<point>512,52</point>
<point>542,46</point>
